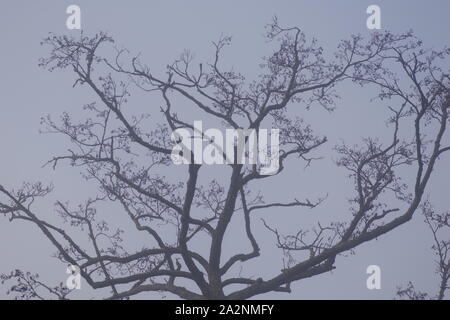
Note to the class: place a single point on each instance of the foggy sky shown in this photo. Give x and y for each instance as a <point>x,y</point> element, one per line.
<point>160,31</point>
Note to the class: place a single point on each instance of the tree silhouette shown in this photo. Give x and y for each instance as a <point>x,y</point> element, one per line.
<point>439,224</point>
<point>116,151</point>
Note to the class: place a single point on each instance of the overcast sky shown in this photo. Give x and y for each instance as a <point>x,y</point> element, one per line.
<point>160,31</point>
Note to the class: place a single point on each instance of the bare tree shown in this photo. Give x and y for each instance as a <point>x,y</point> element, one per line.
<point>127,161</point>
<point>439,224</point>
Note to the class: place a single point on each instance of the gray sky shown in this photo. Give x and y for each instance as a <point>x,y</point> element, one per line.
<point>161,30</point>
